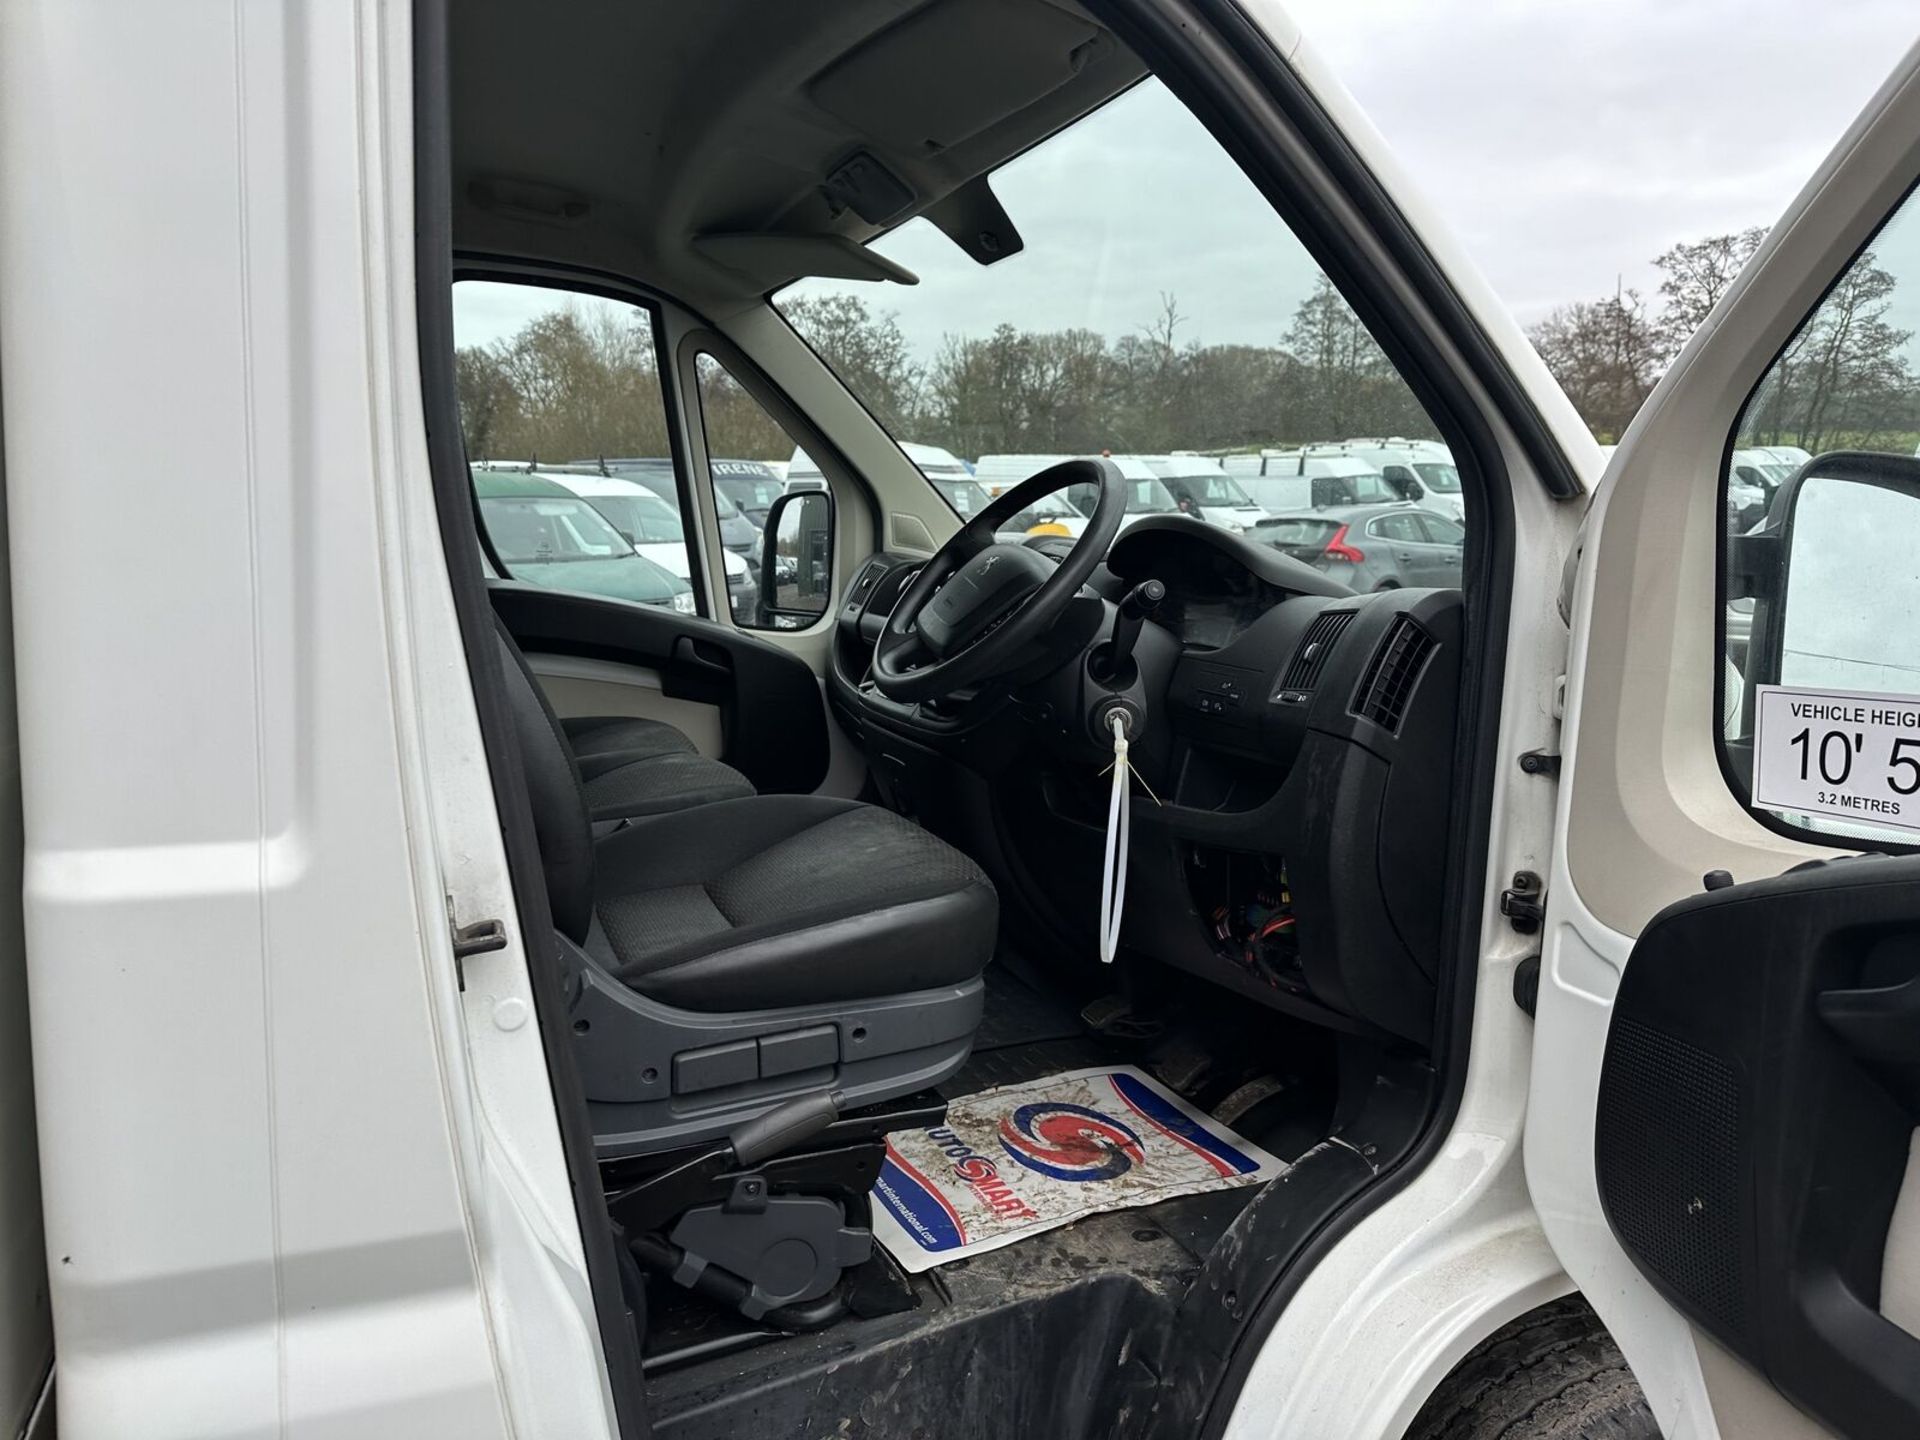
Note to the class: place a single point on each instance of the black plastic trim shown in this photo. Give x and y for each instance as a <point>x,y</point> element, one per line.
<point>1263,561</point>
<point>1756,1108</point>
<point>453,499</point>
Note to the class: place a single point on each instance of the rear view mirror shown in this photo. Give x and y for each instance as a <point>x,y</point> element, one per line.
<point>796,560</point>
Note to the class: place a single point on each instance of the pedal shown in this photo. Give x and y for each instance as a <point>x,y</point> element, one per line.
<point>1113,1017</point>
<point>1183,1064</point>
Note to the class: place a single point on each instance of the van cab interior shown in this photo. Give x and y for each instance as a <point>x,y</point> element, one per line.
<point>804,879</point>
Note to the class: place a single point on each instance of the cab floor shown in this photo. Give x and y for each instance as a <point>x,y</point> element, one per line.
<point>1053,1336</point>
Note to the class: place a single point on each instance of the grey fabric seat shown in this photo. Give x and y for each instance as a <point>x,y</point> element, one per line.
<point>598,737</point>
<point>739,905</point>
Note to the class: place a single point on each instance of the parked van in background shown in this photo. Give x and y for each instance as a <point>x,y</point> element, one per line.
<point>1201,488</point>
<point>544,534</point>
<point>932,461</point>
<point>1421,470</point>
<point>655,531</point>
<point>1295,481</point>
<point>1147,494</point>
<point>737,533</point>
<point>752,485</point>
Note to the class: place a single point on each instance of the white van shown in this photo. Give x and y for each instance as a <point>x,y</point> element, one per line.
<point>1421,470</point>
<point>654,528</point>
<point>1294,481</point>
<point>1146,493</point>
<point>1124,987</point>
<point>1201,487</point>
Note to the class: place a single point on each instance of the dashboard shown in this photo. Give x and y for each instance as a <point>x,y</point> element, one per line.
<point>1298,742</point>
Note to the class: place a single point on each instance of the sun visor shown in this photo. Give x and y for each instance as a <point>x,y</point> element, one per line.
<point>773,260</point>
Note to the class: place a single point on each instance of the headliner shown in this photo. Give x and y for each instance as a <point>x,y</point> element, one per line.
<point>689,145</point>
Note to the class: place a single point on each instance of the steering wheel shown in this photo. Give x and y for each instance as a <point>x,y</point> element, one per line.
<point>980,602</point>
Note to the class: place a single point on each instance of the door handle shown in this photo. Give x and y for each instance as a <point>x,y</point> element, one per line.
<point>689,655</point>
<point>1878,1024</point>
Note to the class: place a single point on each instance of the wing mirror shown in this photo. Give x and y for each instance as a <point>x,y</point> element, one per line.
<point>796,560</point>
<point>1831,578</point>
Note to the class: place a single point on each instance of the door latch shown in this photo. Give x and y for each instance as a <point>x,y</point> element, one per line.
<point>1525,904</point>
<point>482,937</point>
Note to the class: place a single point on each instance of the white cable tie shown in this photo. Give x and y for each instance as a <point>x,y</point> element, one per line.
<point>1113,885</point>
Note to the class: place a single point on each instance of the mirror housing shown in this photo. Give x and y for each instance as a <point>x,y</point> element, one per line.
<point>796,560</point>
<point>1824,573</point>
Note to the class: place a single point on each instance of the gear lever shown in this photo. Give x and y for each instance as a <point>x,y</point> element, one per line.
<point>1116,666</point>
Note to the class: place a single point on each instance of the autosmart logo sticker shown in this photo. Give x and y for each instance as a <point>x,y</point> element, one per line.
<point>1011,1162</point>
<point>1070,1142</point>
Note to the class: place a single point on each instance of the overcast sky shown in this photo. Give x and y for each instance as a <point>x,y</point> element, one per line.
<point>1567,142</point>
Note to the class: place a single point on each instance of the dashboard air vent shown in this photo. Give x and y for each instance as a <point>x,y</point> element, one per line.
<point>1303,673</point>
<point>1391,674</point>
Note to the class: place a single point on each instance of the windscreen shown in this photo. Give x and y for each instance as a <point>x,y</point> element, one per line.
<point>1157,305</point>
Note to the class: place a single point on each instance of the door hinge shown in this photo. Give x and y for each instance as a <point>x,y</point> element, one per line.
<point>1525,904</point>
<point>482,937</point>
<point>1539,762</point>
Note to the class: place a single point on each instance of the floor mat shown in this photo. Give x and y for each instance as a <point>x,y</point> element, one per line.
<point>1020,1009</point>
<point>1016,1160</point>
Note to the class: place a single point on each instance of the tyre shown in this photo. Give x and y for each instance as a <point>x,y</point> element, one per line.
<point>1553,1374</point>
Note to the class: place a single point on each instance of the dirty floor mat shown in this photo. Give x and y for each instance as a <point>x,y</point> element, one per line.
<point>1019,1159</point>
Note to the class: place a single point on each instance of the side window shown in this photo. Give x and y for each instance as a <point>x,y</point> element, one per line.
<point>1820,667</point>
<point>1398,527</point>
<point>753,461</point>
<point>1442,531</point>
<point>565,424</point>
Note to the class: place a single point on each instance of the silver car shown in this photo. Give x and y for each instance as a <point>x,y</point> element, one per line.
<point>1371,547</point>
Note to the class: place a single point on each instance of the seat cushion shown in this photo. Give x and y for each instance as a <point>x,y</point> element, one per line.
<point>658,784</point>
<point>631,768</point>
<point>593,736</point>
<point>786,900</point>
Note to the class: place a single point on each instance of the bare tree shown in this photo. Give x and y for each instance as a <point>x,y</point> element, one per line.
<point>1845,378</point>
<point>868,352</point>
<point>1605,354</point>
<point>1693,276</point>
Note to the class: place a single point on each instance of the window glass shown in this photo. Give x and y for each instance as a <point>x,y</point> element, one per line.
<point>1158,309</point>
<point>565,423</point>
<point>1436,476</point>
<point>1821,508</point>
<point>1397,527</point>
<point>752,460</point>
<point>1442,531</point>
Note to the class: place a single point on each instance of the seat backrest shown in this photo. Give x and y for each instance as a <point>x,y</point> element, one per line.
<point>560,820</point>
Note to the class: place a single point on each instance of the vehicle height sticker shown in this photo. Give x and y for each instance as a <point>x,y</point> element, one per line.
<point>1843,753</point>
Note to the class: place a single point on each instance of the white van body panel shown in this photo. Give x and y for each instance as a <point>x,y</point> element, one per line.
<point>285,1196</point>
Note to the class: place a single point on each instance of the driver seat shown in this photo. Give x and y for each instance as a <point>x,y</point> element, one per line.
<point>725,959</point>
